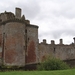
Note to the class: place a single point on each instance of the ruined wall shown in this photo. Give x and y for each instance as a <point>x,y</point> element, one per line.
<point>32,44</point>
<point>63,52</point>
<point>14,43</point>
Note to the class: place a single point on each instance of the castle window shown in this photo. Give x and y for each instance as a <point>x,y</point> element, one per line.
<point>26,31</point>
<point>28,39</point>
<point>54,49</point>
<point>0,39</point>
<point>24,47</point>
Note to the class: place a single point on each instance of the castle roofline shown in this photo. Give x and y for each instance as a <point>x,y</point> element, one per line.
<point>7,13</point>
<point>18,20</point>
<point>31,25</point>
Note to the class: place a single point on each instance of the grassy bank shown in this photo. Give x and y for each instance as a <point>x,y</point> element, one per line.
<point>58,72</point>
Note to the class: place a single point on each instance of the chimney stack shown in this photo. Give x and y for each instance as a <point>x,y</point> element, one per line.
<point>18,13</point>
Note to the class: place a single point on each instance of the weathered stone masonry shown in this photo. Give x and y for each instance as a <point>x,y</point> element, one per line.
<point>18,40</point>
<point>19,45</point>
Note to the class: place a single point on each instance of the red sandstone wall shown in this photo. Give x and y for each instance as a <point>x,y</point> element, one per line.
<point>14,44</point>
<point>45,51</point>
<point>31,55</point>
<point>32,45</point>
<point>63,52</point>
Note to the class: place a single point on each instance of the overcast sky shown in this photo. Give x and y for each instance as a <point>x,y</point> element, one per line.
<point>55,18</point>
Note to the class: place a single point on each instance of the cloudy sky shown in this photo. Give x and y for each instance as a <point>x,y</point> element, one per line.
<point>55,18</point>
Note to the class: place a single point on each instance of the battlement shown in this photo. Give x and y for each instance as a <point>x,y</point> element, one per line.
<point>53,42</point>
<point>6,16</point>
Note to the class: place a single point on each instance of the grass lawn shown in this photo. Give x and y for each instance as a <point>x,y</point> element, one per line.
<point>58,72</point>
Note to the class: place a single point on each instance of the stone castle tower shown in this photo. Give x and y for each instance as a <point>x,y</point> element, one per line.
<point>19,45</point>
<point>18,39</point>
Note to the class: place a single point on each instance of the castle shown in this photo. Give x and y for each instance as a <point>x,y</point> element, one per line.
<point>19,44</point>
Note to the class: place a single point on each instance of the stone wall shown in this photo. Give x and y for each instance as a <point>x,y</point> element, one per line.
<point>61,51</point>
<point>32,44</point>
<point>19,40</point>
<point>14,43</point>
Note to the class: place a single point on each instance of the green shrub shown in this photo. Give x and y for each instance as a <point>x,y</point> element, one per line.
<point>52,64</point>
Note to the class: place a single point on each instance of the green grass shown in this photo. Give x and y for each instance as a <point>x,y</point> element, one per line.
<point>58,72</point>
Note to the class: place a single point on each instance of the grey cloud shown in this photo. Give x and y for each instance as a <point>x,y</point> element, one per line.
<point>30,8</point>
<point>60,33</point>
<point>66,9</point>
<point>56,34</point>
<point>46,13</point>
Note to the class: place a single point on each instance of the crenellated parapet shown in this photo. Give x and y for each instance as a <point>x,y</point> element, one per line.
<point>6,16</point>
<point>53,42</point>
<point>61,51</point>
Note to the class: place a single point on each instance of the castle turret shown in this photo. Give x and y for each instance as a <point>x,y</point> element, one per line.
<point>18,13</point>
